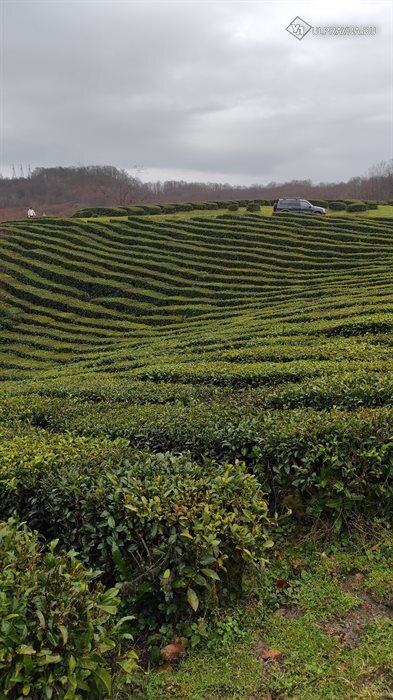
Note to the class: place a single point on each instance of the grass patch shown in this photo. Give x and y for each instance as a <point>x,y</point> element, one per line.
<point>304,620</point>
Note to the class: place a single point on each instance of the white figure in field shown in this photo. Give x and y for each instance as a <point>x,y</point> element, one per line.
<point>31,212</point>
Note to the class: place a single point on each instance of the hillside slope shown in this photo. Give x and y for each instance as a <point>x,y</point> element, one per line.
<point>241,299</point>
<point>190,405</point>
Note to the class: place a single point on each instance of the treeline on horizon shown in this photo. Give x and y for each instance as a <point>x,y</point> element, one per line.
<point>97,185</point>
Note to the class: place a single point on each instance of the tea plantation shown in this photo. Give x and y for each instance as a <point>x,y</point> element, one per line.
<point>183,404</point>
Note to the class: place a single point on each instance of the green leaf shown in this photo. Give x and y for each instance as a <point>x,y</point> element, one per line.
<point>129,663</point>
<point>193,599</point>
<point>46,658</point>
<point>64,633</point>
<point>211,574</point>
<point>167,573</point>
<point>25,649</point>
<point>41,618</point>
<point>104,679</point>
<point>110,609</point>
<point>120,563</point>
<point>130,507</point>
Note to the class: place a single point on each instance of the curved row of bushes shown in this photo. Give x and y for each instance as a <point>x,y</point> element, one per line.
<point>340,462</point>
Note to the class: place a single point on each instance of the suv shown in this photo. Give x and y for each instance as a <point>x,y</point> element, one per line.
<point>299,206</point>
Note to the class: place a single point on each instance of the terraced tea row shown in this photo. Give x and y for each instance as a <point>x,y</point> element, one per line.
<point>133,296</point>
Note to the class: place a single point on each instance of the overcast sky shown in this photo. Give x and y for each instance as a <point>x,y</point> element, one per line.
<point>202,90</point>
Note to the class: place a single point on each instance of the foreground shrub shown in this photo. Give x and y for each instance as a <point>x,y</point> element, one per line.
<point>178,535</point>
<point>58,638</point>
<point>356,206</point>
<point>253,206</point>
<point>233,207</point>
<point>337,206</point>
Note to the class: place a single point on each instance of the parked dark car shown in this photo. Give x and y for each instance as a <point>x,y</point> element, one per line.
<point>297,206</point>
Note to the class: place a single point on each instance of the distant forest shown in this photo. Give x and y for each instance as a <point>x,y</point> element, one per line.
<point>63,190</point>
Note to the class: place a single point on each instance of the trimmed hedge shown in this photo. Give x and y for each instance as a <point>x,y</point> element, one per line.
<point>337,206</point>
<point>168,208</point>
<point>253,206</point>
<point>319,203</point>
<point>356,206</point>
<point>204,205</point>
<point>136,210</point>
<point>183,206</point>
<point>100,211</point>
<point>152,208</point>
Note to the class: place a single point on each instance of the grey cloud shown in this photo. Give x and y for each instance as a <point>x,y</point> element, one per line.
<point>195,87</point>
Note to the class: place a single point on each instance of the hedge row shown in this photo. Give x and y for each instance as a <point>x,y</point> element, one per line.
<point>340,463</point>
<point>231,205</point>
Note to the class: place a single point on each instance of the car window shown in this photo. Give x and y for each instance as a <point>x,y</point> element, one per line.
<point>304,204</point>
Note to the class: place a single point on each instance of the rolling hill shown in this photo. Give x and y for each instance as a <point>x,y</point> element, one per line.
<point>233,299</point>
<point>177,397</point>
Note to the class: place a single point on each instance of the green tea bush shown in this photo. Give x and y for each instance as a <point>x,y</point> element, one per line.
<point>184,206</point>
<point>356,206</point>
<point>134,210</point>
<point>233,207</point>
<point>371,204</point>
<point>58,638</point>
<point>168,208</point>
<point>205,205</point>
<point>26,457</point>
<point>100,211</point>
<point>151,208</point>
<point>253,206</point>
<point>337,206</point>
<point>177,535</point>
<point>225,203</point>
<point>319,203</point>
